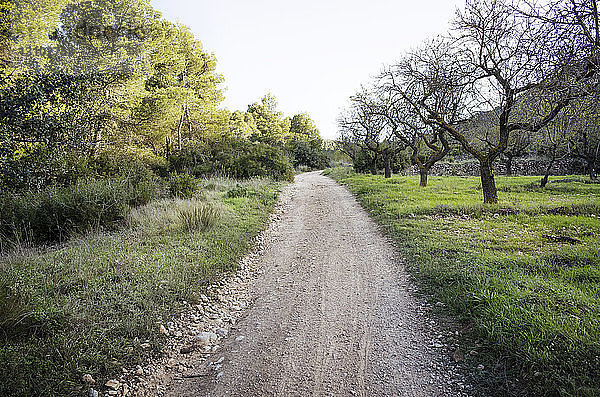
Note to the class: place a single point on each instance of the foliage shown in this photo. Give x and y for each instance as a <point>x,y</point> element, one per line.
<point>240,191</point>
<point>308,154</point>
<point>363,161</point>
<point>180,92</point>
<point>182,185</point>
<point>112,76</point>
<point>55,213</point>
<point>233,157</point>
<point>531,299</point>
<point>270,127</point>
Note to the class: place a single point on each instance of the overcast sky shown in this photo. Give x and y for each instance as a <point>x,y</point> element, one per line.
<point>310,54</point>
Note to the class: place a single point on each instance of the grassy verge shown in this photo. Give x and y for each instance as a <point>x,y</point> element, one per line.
<point>522,276</point>
<point>86,306</point>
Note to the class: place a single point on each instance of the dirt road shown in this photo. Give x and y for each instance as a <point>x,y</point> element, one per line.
<point>333,314</point>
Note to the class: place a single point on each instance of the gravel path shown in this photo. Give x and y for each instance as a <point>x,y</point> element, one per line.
<point>331,313</point>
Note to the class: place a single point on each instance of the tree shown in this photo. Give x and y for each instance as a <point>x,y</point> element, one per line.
<point>181,92</point>
<point>506,55</point>
<point>552,140</point>
<point>242,125</point>
<point>585,141</point>
<point>364,126</point>
<point>574,33</point>
<point>407,97</point>
<point>518,145</point>
<point>304,144</point>
<point>271,127</point>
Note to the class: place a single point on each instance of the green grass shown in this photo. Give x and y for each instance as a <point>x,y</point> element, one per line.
<point>87,305</point>
<point>533,301</point>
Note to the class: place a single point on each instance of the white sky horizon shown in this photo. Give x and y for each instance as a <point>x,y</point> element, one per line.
<point>311,55</point>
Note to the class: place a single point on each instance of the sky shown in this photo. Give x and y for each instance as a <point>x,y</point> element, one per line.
<point>312,55</point>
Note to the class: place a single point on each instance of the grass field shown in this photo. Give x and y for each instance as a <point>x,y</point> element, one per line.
<point>87,305</point>
<point>523,276</point>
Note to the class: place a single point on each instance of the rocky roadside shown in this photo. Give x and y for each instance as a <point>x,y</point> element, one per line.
<point>195,335</point>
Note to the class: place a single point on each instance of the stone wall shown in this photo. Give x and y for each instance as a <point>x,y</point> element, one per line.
<point>520,166</point>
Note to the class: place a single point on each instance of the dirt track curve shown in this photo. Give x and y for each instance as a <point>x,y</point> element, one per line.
<point>333,314</point>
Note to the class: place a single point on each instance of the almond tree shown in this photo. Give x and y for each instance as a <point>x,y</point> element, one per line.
<point>585,139</point>
<point>363,126</point>
<point>507,55</point>
<point>553,140</point>
<point>574,33</point>
<point>422,82</point>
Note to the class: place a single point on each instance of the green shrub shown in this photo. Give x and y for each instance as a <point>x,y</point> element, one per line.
<point>182,185</point>
<point>307,154</point>
<point>232,157</point>
<point>364,158</point>
<point>55,213</point>
<point>113,163</point>
<point>240,191</point>
<point>39,167</point>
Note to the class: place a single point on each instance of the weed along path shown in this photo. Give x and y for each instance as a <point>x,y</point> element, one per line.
<point>332,313</point>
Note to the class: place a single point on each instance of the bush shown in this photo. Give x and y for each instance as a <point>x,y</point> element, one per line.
<point>240,191</point>
<point>307,154</point>
<point>40,167</point>
<point>364,159</point>
<point>55,213</point>
<point>236,158</point>
<point>182,185</point>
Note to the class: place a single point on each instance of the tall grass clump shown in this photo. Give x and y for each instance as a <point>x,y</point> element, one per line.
<point>200,216</point>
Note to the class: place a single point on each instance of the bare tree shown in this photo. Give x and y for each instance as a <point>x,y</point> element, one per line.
<point>508,56</point>
<point>584,141</point>
<point>422,83</point>
<point>552,142</point>
<point>518,145</point>
<point>363,126</point>
<point>574,33</point>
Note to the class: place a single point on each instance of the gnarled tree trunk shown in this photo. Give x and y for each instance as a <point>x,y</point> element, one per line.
<point>388,165</point>
<point>488,184</point>
<point>374,165</point>
<point>592,170</point>
<point>509,164</point>
<point>423,172</point>
<point>544,180</point>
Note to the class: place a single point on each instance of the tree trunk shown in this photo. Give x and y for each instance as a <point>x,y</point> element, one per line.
<point>388,166</point>
<point>592,170</point>
<point>374,165</point>
<point>167,147</point>
<point>189,120</point>
<point>423,172</point>
<point>544,180</point>
<point>96,143</point>
<point>509,165</point>
<point>179,129</point>
<point>488,184</point>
